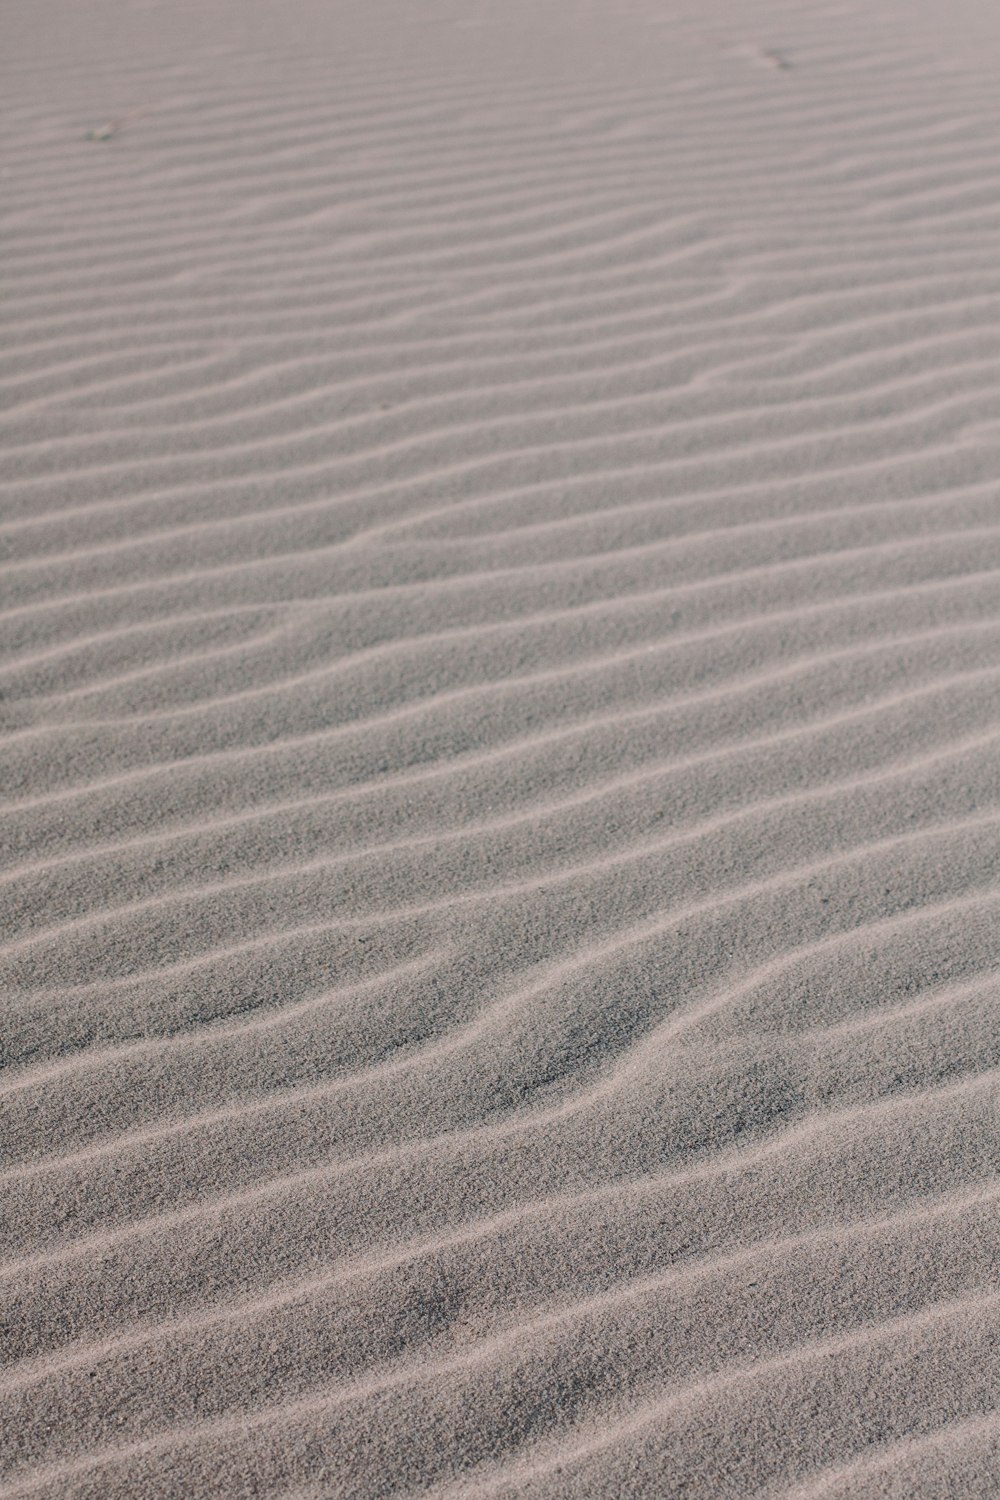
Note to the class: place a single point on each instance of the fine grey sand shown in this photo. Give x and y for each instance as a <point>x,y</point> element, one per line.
<point>500,691</point>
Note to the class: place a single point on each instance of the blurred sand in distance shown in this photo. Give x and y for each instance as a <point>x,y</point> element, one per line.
<point>500,694</point>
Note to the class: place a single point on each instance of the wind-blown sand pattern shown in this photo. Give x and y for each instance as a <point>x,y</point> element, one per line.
<point>501,700</point>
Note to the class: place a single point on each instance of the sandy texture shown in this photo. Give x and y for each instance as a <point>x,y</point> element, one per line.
<point>500,682</point>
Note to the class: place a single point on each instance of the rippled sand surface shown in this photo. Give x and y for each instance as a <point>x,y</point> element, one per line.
<point>500,695</point>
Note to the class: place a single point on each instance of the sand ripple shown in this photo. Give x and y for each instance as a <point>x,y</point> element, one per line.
<point>500,701</point>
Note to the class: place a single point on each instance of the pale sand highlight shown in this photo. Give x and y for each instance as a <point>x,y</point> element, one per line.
<point>500,680</point>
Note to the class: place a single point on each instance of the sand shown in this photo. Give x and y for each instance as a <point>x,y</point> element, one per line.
<point>500,682</point>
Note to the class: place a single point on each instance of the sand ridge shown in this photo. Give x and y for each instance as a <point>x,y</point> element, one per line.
<point>500,712</point>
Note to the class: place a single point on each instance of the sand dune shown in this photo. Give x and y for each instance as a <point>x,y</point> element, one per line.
<point>500,691</point>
